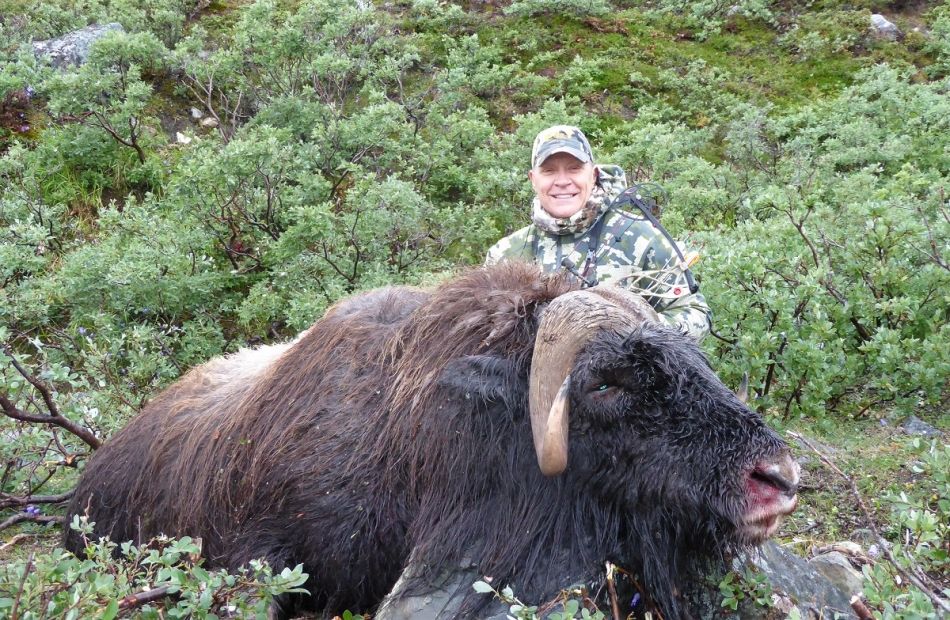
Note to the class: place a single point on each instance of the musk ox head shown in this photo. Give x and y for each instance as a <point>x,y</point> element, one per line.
<point>659,433</point>
<point>623,370</point>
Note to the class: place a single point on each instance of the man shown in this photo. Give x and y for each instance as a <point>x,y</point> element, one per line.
<point>571,219</point>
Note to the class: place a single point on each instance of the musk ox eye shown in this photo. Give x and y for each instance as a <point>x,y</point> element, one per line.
<point>603,387</point>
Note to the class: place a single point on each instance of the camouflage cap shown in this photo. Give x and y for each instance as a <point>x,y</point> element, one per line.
<point>561,139</point>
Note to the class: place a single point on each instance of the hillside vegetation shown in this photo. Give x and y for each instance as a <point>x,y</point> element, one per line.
<point>219,172</point>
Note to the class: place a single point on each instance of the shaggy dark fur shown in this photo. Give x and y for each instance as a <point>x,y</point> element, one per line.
<point>399,422</point>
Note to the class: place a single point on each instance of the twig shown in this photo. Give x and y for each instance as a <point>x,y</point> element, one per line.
<point>22,516</point>
<point>136,600</point>
<point>15,541</point>
<point>16,602</point>
<point>937,600</point>
<point>12,411</point>
<point>860,608</point>
<point>15,500</point>
<point>55,417</point>
<point>612,590</point>
<point>719,336</point>
<point>39,385</point>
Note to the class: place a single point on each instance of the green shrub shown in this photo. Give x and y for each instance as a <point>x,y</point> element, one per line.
<point>707,17</point>
<point>59,584</point>
<point>919,532</point>
<point>575,8</point>
<point>820,34</point>
<point>938,42</point>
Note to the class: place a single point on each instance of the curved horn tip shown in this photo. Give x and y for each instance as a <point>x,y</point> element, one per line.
<point>743,391</point>
<point>552,449</point>
<point>553,465</point>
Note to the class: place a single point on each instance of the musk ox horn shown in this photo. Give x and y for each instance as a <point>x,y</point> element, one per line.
<point>569,322</point>
<point>743,391</point>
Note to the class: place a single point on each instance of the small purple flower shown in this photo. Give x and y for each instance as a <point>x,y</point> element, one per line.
<point>24,128</point>
<point>82,331</point>
<point>32,510</point>
<point>635,600</point>
<point>29,92</point>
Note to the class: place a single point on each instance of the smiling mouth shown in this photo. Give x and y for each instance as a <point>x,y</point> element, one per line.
<point>563,196</point>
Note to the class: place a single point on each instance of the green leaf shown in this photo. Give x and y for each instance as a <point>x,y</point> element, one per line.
<point>482,588</point>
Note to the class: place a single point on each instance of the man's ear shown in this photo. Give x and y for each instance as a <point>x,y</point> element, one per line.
<point>596,175</point>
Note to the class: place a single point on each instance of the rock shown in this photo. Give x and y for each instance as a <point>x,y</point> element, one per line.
<point>884,28</point>
<point>72,48</point>
<point>845,547</point>
<point>208,122</point>
<point>839,571</point>
<point>915,426</point>
<point>444,600</point>
<point>821,588</point>
<point>196,114</point>
<point>181,138</point>
<point>812,591</point>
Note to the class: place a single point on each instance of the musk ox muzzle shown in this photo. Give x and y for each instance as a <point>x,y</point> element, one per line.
<point>503,417</point>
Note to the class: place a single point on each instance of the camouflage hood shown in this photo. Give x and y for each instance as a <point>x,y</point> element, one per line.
<point>611,180</point>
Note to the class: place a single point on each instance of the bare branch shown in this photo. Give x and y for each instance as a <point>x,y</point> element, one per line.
<point>860,608</point>
<point>137,600</point>
<point>54,418</point>
<point>39,385</point>
<point>612,590</point>
<point>20,517</point>
<point>7,501</point>
<point>15,540</point>
<point>14,612</point>
<point>11,411</point>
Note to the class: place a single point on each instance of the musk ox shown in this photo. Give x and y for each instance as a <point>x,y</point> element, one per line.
<point>502,417</point>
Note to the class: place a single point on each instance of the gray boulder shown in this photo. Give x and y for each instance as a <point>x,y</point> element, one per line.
<point>807,584</point>
<point>915,426</point>
<point>72,48</point>
<point>839,571</point>
<point>883,28</point>
<point>820,588</point>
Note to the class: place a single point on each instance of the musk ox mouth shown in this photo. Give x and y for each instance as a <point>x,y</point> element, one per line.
<point>771,494</point>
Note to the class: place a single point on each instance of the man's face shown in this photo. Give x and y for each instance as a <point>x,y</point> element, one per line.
<point>563,184</point>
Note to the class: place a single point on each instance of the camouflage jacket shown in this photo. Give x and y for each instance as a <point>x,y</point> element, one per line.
<point>631,254</point>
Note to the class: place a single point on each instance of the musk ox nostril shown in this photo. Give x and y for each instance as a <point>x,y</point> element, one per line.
<point>782,474</point>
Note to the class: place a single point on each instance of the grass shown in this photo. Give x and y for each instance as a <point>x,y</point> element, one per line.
<point>876,455</point>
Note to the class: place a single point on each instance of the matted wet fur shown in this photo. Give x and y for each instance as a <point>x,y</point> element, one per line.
<point>399,422</point>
